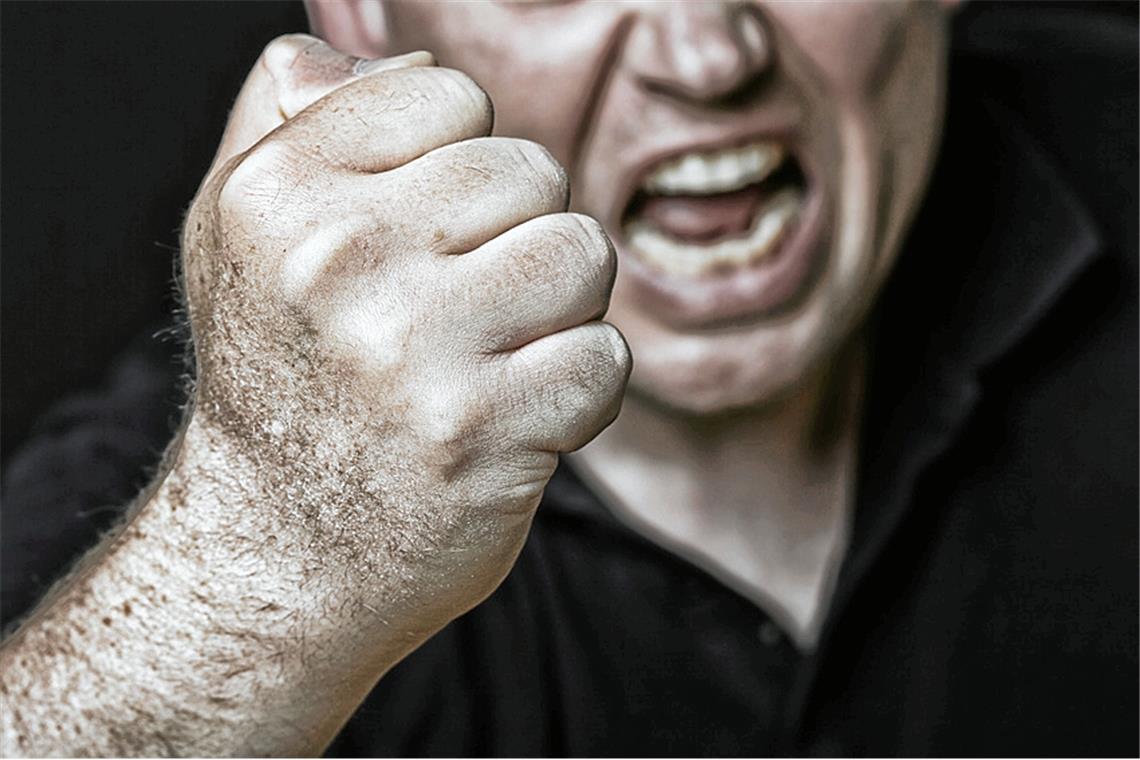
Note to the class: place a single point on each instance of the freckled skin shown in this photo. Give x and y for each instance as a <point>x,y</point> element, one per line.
<point>389,357</point>
<point>854,92</point>
<point>371,428</point>
<point>606,85</point>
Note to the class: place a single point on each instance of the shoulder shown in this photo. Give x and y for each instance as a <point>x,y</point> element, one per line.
<point>1068,71</point>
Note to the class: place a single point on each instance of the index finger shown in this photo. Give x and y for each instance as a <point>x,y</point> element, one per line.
<point>293,72</point>
<point>377,123</point>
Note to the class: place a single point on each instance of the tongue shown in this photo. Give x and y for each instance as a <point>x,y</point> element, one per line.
<point>702,217</point>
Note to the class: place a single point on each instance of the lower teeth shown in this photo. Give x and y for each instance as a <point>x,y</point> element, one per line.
<point>673,256</point>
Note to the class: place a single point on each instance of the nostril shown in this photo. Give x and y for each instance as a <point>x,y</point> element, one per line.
<point>710,56</point>
<point>739,92</point>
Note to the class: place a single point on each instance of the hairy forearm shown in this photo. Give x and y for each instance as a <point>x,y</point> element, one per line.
<point>194,630</point>
<point>374,421</point>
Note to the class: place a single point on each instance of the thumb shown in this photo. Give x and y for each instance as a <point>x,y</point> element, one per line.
<point>293,72</point>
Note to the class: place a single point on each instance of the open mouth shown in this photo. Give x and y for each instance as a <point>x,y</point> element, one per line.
<point>713,212</point>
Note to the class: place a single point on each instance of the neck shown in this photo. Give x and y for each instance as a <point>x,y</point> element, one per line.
<point>760,497</point>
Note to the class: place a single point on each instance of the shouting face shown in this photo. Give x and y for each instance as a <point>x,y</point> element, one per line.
<point>756,164</point>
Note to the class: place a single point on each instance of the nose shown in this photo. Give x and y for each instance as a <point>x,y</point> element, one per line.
<point>699,51</point>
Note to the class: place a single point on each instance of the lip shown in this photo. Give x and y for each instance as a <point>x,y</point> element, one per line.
<point>778,130</point>
<point>747,294</point>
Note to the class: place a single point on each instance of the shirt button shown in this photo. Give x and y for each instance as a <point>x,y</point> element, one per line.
<point>769,633</point>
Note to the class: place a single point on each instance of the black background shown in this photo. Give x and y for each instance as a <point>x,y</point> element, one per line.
<point>111,112</point>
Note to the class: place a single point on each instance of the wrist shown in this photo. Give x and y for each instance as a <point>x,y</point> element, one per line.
<point>189,632</point>
<point>247,543</point>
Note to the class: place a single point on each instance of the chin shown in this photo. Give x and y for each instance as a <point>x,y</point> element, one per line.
<point>708,376</point>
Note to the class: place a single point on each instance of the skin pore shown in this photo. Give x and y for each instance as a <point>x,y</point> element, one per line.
<point>377,406</point>
<point>716,451</point>
<point>392,351</point>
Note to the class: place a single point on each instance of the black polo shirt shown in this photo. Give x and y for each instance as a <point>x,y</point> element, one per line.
<point>988,602</point>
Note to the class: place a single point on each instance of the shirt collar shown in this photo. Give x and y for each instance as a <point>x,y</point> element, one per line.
<point>1002,236</point>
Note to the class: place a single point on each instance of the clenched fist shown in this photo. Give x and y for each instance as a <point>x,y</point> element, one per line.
<point>396,327</point>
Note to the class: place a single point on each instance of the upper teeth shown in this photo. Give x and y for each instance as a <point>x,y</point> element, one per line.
<point>719,171</point>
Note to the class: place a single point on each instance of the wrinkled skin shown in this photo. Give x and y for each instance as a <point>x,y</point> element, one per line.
<point>737,354</point>
<point>854,89</point>
<point>397,327</point>
<point>401,342</point>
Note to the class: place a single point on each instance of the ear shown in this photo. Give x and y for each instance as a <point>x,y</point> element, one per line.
<point>356,27</point>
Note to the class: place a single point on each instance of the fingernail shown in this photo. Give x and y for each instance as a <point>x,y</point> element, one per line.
<point>406,61</point>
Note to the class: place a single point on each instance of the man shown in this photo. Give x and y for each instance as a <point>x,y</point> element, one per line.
<point>813,527</point>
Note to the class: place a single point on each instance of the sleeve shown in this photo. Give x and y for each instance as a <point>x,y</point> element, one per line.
<point>81,466</point>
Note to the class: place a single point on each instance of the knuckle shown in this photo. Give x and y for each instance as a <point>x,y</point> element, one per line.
<point>592,379</point>
<point>611,357</point>
<point>274,182</point>
<point>331,249</point>
<point>588,258</point>
<point>466,91</point>
<point>451,425</point>
<point>541,165</point>
<point>607,372</point>
<point>279,56</point>
<point>596,248</point>
<point>255,175</point>
<point>599,363</point>
<point>622,356</point>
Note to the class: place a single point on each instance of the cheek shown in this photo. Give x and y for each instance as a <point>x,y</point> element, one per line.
<point>888,146</point>
<point>849,44</point>
<point>544,104</point>
<point>541,68</point>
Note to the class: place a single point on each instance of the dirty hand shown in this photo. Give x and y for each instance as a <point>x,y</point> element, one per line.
<point>397,327</point>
